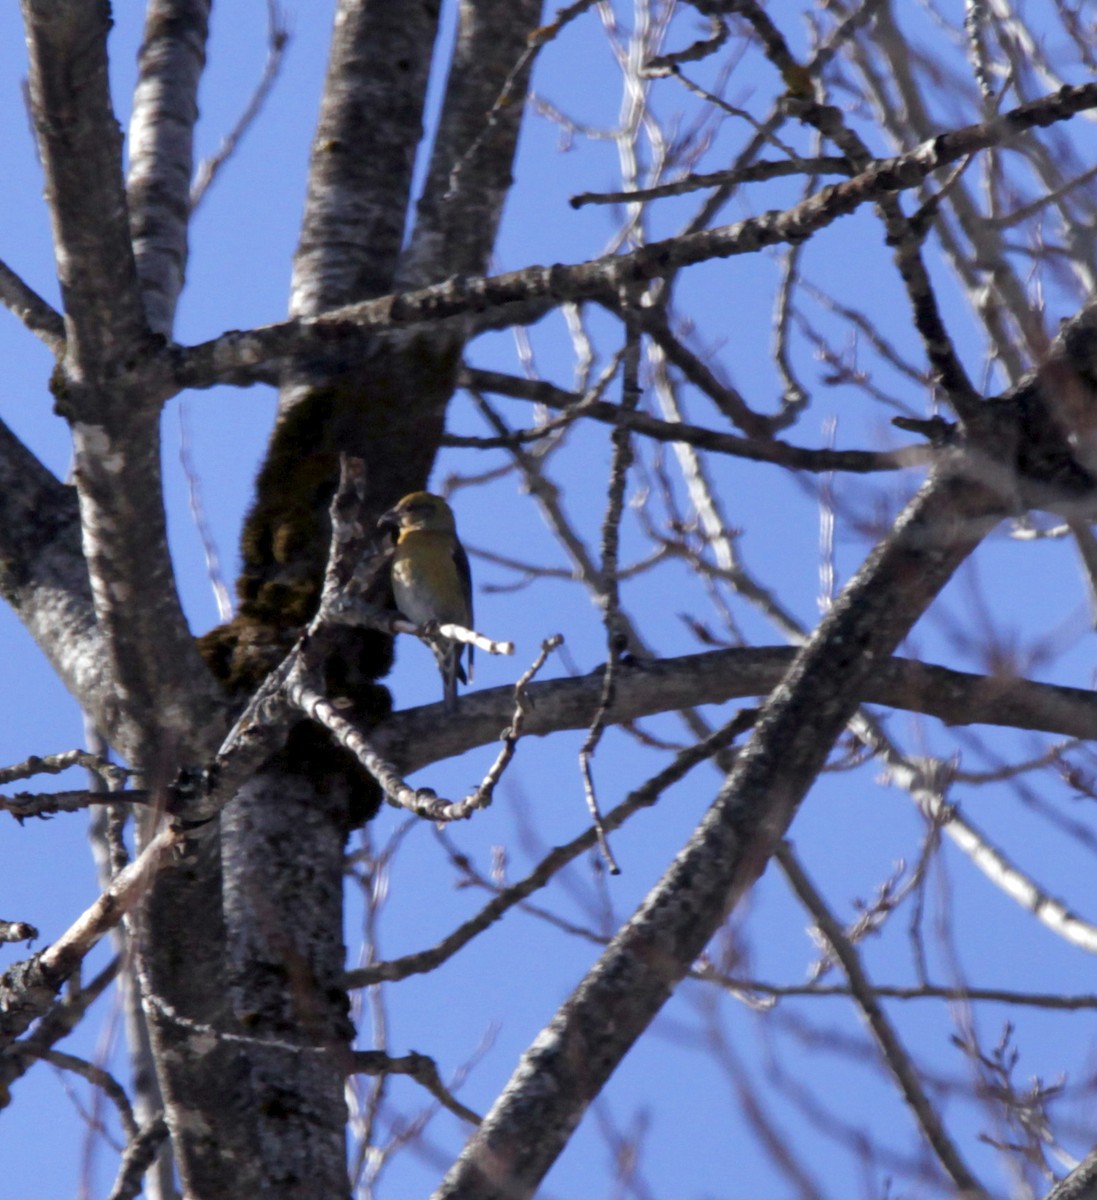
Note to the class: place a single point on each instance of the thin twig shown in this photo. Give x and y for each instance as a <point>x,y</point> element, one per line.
<point>302,692</point>
<point>891,1048</point>
<point>643,797</point>
<point>221,594</point>
<point>54,764</point>
<point>609,593</point>
<point>97,1077</point>
<point>277,40</point>
<point>419,1067</point>
<point>923,991</point>
<point>757,172</point>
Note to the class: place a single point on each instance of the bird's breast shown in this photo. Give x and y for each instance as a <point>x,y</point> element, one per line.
<point>425,582</point>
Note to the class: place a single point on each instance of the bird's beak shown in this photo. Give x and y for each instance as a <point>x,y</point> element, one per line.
<point>389,520</point>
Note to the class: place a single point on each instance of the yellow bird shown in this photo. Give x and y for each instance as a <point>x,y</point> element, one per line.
<point>431,580</point>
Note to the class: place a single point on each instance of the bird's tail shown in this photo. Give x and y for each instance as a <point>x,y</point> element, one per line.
<point>448,655</point>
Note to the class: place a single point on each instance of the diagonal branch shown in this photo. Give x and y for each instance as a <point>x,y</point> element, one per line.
<point>44,577</point>
<point>27,989</point>
<point>574,1056</point>
<point>872,1012</point>
<point>37,315</point>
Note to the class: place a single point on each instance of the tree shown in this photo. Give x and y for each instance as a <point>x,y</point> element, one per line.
<point>948,163</point>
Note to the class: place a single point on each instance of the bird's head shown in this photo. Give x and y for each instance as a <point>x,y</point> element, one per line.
<point>419,511</point>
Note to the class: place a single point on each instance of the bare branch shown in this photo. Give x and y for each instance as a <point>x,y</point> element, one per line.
<point>278,36</point>
<point>1052,912</point>
<point>1080,1184</point>
<point>140,1153</point>
<point>97,1077</point>
<point>360,170</point>
<point>81,150</point>
<point>53,764</point>
<point>894,1053</point>
<point>161,154</point>
<point>572,1058</point>
<point>746,988</point>
<point>756,449</point>
<point>424,802</point>
<point>27,988</point>
<point>555,861</point>
<point>524,296</point>
<point>411,738</point>
<point>419,1067</point>
<point>36,314</point>
<point>608,593</point>
<point>469,173</point>
<point>24,805</point>
<point>58,1022</point>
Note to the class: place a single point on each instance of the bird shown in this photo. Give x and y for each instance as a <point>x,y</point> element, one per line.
<point>431,581</point>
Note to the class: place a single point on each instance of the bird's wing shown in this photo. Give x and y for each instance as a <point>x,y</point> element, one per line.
<point>464,574</point>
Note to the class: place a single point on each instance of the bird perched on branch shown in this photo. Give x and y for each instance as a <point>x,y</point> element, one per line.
<point>431,581</point>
